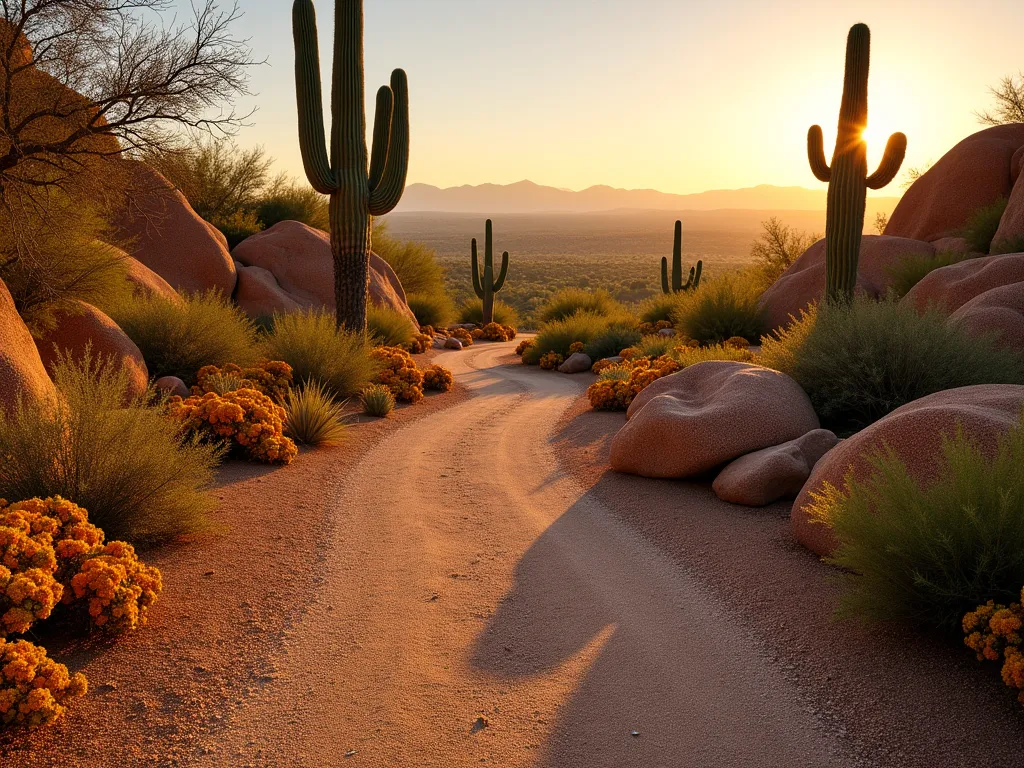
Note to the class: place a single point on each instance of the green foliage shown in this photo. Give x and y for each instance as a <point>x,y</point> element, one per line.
<point>433,309</point>
<point>388,328</point>
<point>657,308</point>
<point>559,335</point>
<point>120,459</point>
<point>908,271</point>
<point>777,247</point>
<point>318,351</point>
<point>472,311</point>
<point>569,301</point>
<point>179,338</point>
<point>313,417</point>
<point>982,225</point>
<point>687,356</point>
<point>415,264</point>
<point>616,337</point>
<point>239,226</point>
<point>930,554</point>
<point>378,400</point>
<point>655,345</point>
<point>721,308</point>
<point>862,360</point>
<point>287,200</point>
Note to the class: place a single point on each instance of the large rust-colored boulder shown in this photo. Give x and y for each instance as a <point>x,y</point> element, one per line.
<point>22,375</point>
<point>707,414</point>
<point>260,295</point>
<point>949,288</point>
<point>1010,235</point>
<point>145,282</point>
<point>88,327</point>
<point>804,282</point>
<point>158,227</point>
<point>999,312</point>
<point>952,245</point>
<point>914,433</point>
<point>299,258</point>
<point>974,173</point>
<point>765,476</point>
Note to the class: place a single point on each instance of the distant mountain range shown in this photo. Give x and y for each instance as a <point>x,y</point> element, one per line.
<point>527,197</point>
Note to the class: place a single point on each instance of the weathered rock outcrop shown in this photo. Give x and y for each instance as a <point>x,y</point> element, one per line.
<point>999,311</point>
<point>22,375</point>
<point>949,288</point>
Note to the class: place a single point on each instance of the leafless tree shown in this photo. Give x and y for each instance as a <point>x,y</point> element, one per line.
<point>1009,106</point>
<point>777,247</point>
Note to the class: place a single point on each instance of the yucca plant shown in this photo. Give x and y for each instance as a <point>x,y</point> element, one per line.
<point>313,417</point>
<point>378,400</point>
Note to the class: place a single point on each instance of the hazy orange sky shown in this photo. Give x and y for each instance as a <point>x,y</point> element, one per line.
<point>661,94</point>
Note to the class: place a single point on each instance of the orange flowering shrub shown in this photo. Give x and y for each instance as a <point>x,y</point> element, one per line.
<point>26,597</point>
<point>576,346</point>
<point>736,342</point>
<point>428,330</point>
<point>551,360</point>
<point>993,631</point>
<point>622,382</point>
<point>399,373</point>
<point>523,345</point>
<point>246,417</point>
<point>462,335</point>
<point>649,329</point>
<point>420,343</point>
<point>438,378</point>
<point>116,588</point>
<point>272,378</point>
<point>477,333</point>
<point>498,332</point>
<point>58,523</point>
<point>600,366</point>
<point>34,689</point>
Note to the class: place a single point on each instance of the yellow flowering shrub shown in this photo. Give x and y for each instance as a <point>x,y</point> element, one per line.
<point>247,418</point>
<point>272,378</point>
<point>601,365</point>
<point>498,332</point>
<point>620,383</point>
<point>477,333</point>
<point>26,597</point>
<point>462,335</point>
<point>34,689</point>
<point>399,373</point>
<point>551,360</point>
<point>21,552</point>
<point>428,330</point>
<point>438,378</point>
<point>993,632</point>
<point>420,343</point>
<point>576,346</point>
<point>523,345</point>
<point>58,523</point>
<point>116,588</point>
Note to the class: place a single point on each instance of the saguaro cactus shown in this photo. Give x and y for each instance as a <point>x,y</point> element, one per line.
<point>487,286</point>
<point>358,191</point>
<point>847,177</point>
<point>677,285</point>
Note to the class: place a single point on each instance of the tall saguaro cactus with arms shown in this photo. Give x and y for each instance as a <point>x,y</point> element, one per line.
<point>847,177</point>
<point>485,285</point>
<point>359,190</point>
<point>677,285</point>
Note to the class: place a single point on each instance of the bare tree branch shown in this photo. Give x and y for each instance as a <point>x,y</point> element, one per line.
<point>1009,106</point>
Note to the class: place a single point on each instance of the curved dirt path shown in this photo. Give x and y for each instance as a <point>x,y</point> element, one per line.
<point>466,577</point>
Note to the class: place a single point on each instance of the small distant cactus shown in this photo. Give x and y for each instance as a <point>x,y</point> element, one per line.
<point>486,286</point>
<point>677,285</point>
<point>847,177</point>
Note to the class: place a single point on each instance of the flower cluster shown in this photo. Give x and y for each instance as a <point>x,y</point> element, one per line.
<point>34,689</point>
<point>421,342</point>
<point>438,378</point>
<point>26,597</point>
<point>523,345</point>
<point>622,382</point>
<point>272,378</point>
<point>993,631</point>
<point>462,335</point>
<point>477,334</point>
<point>576,346</point>
<point>649,329</point>
<point>247,418</point>
<point>497,332</point>
<point>736,342</point>
<point>116,588</point>
<point>398,372</point>
<point>551,360</point>
<point>601,366</point>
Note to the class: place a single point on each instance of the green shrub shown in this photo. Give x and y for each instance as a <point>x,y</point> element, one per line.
<point>317,351</point>
<point>558,335</point>
<point>658,308</point>
<point>288,200</point>
<point>179,338</point>
<point>720,309</point>
<point>654,345</point>
<point>119,458</point>
<point>615,338</point>
<point>861,361</point>
<point>472,312</point>
<point>313,417</point>
<point>433,309</point>
<point>388,328</point>
<point>239,226</point>
<point>909,270</point>
<point>982,225</point>
<point>687,356</point>
<point>931,554</point>
<point>776,248</point>
<point>378,400</point>
<point>414,263</point>
<point>569,301</point>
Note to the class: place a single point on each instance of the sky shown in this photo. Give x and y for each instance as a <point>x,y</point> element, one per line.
<point>671,95</point>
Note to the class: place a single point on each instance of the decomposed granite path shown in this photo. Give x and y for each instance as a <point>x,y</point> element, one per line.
<point>477,607</point>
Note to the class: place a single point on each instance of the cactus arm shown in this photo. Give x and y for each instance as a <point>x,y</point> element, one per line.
<point>381,134</point>
<point>895,151</point>
<point>664,276</point>
<point>312,140</point>
<point>697,273</point>
<point>816,154</point>
<point>500,282</point>
<point>385,195</point>
<point>477,286</point>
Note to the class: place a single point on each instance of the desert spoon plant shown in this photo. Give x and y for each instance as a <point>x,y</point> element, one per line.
<point>847,177</point>
<point>358,190</point>
<point>677,285</point>
<point>486,286</point>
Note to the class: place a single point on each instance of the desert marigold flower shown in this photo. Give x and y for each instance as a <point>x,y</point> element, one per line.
<point>497,332</point>
<point>462,335</point>
<point>551,360</point>
<point>438,378</point>
<point>34,689</point>
<point>272,378</point>
<point>524,345</point>
<point>399,373</point>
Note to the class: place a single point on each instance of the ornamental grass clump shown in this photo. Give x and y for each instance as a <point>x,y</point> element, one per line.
<point>434,309</point>
<point>312,417</point>
<point>377,401</point>
<point>34,690</point>
<point>558,335</point>
<point>245,420</point>
<point>438,378</point>
<point>140,478</point>
<point>472,311</point>
<point>398,372</point>
<point>570,301</point>
<point>720,309</point>
<point>928,553</point>
<point>388,328</point>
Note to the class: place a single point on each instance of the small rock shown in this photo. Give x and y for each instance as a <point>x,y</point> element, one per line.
<point>172,385</point>
<point>667,332</point>
<point>479,724</point>
<point>577,362</point>
<point>614,360</point>
<point>452,343</point>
